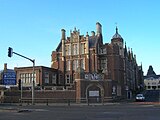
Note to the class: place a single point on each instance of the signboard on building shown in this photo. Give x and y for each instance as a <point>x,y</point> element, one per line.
<point>94,76</point>
<point>94,93</point>
<point>9,77</point>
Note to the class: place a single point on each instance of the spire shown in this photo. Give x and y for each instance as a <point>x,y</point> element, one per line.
<point>125,50</point>
<point>141,66</point>
<point>117,35</point>
<point>129,54</point>
<point>86,33</point>
<point>116,30</point>
<point>134,58</point>
<point>151,71</point>
<point>75,30</point>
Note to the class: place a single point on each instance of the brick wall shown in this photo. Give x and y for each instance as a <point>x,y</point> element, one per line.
<point>14,96</point>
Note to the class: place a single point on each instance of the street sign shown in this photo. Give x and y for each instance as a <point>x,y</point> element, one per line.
<point>9,77</point>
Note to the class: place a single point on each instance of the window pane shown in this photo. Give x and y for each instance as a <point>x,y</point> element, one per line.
<point>76,64</point>
<point>68,65</point>
<point>69,50</point>
<point>75,49</point>
<point>46,78</point>
<point>67,79</point>
<point>54,79</point>
<point>83,63</point>
<point>82,48</point>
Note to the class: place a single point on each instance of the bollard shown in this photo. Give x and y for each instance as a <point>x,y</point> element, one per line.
<point>20,101</point>
<point>88,101</point>
<point>47,102</point>
<point>27,102</point>
<point>102,101</point>
<point>68,102</point>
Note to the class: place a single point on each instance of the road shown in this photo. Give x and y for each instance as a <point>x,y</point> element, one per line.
<point>122,111</point>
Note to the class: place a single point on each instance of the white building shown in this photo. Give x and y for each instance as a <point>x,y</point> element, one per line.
<point>152,82</point>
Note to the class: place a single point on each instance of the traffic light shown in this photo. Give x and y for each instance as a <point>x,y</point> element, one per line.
<point>10,52</point>
<point>19,84</point>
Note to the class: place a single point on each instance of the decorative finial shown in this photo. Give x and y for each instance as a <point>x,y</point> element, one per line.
<point>74,28</point>
<point>116,28</point>
<point>87,33</point>
<point>125,45</point>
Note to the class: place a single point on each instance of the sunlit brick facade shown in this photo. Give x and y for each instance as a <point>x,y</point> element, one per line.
<point>106,69</point>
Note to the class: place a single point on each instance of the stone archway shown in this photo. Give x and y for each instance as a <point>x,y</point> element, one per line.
<point>94,93</point>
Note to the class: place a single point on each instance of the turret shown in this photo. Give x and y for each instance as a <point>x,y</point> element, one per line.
<point>118,40</point>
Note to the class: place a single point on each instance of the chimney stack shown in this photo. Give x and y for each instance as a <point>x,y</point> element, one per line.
<point>99,28</point>
<point>63,34</point>
<point>5,66</point>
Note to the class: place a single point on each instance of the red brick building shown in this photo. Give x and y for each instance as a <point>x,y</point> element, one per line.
<point>44,77</point>
<point>95,69</point>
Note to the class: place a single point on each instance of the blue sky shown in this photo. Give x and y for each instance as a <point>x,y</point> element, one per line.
<point>33,27</point>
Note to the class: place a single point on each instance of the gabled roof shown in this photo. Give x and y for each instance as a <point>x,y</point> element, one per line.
<point>58,49</point>
<point>93,40</point>
<point>152,76</point>
<point>150,71</point>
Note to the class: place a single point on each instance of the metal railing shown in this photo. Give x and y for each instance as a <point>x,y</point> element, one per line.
<point>61,101</point>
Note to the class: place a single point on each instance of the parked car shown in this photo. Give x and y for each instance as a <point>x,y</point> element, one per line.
<point>140,97</point>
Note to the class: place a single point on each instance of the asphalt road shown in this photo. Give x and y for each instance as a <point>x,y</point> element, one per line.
<point>130,111</point>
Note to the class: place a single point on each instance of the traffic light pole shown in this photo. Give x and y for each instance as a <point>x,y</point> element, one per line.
<point>33,84</point>
<point>21,91</point>
<point>10,52</point>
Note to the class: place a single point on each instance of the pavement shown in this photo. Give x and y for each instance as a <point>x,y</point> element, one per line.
<point>13,106</point>
<point>106,111</point>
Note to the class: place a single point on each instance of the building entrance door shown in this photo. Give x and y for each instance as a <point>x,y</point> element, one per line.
<point>94,94</point>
